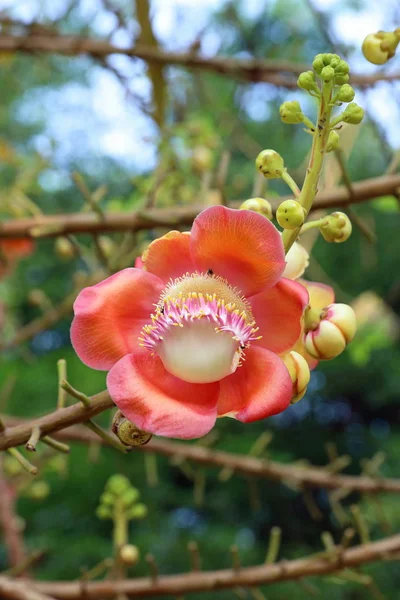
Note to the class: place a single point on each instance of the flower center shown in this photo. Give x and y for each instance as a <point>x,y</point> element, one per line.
<point>200,328</point>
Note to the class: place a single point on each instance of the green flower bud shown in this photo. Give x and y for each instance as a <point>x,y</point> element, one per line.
<point>38,490</point>
<point>103,512</point>
<point>341,79</point>
<point>346,93</point>
<point>336,228</point>
<point>270,164</point>
<point>291,113</point>
<point>129,554</point>
<point>353,114</point>
<point>306,81</point>
<point>342,68</point>
<point>327,74</point>
<point>258,205</point>
<point>130,497</point>
<point>290,214</point>
<point>333,141</point>
<point>318,63</point>
<point>118,484</point>
<point>107,498</point>
<point>139,511</point>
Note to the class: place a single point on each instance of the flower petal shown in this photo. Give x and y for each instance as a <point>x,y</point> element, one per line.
<point>321,295</point>
<point>169,256</point>
<point>297,260</point>
<point>278,313</point>
<point>239,245</point>
<point>110,315</point>
<point>160,403</point>
<point>261,387</point>
<point>17,248</point>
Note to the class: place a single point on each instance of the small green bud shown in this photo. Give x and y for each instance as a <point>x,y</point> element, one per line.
<point>107,499</point>
<point>129,554</point>
<point>333,141</point>
<point>342,68</point>
<point>139,511</point>
<point>103,512</point>
<point>130,497</point>
<point>341,79</point>
<point>38,490</point>
<point>290,214</point>
<point>306,81</point>
<point>346,93</point>
<point>327,57</point>
<point>291,113</point>
<point>336,228</point>
<point>258,205</point>
<point>118,484</point>
<point>318,63</point>
<point>64,248</point>
<point>270,164</point>
<point>353,114</point>
<point>327,74</point>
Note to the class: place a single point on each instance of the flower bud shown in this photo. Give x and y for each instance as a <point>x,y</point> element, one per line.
<point>290,214</point>
<point>270,164</point>
<point>297,260</point>
<point>299,372</point>
<point>64,248</point>
<point>258,205</point>
<point>118,484</point>
<point>306,81</point>
<point>290,113</point>
<point>127,432</point>
<point>335,330</point>
<point>333,141</point>
<point>138,511</point>
<point>104,512</point>
<point>346,93</point>
<point>372,49</point>
<point>202,159</point>
<point>341,79</point>
<point>353,114</point>
<point>327,74</point>
<point>38,490</point>
<point>130,497</point>
<point>336,228</point>
<point>318,63</point>
<point>342,68</point>
<point>129,554</point>
<point>107,499</point>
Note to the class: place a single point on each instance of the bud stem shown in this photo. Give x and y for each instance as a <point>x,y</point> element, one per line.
<point>290,182</point>
<point>311,225</point>
<point>320,139</point>
<point>309,123</point>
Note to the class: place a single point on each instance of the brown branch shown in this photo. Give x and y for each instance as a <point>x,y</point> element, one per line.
<point>18,590</point>
<point>58,225</point>
<point>253,70</point>
<point>186,583</point>
<point>245,465</point>
<point>13,539</point>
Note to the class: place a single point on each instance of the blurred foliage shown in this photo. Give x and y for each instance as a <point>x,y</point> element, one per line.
<point>352,401</point>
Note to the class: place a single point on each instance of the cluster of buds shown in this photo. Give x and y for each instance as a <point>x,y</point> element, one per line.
<point>381,46</point>
<point>328,332</point>
<point>119,495</point>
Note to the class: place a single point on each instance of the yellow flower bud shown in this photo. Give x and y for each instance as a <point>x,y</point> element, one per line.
<point>353,114</point>
<point>38,490</point>
<point>64,249</point>
<point>299,372</point>
<point>270,164</point>
<point>258,205</point>
<point>333,141</point>
<point>306,81</point>
<point>290,214</point>
<point>291,113</point>
<point>372,49</point>
<point>330,337</point>
<point>297,260</point>
<point>129,554</point>
<point>336,228</point>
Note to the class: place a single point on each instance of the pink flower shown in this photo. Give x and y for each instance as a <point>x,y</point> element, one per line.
<point>222,315</point>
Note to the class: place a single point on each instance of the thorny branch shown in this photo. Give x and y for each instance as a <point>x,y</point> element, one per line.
<point>59,423</point>
<point>252,70</point>
<point>57,225</point>
<point>186,583</point>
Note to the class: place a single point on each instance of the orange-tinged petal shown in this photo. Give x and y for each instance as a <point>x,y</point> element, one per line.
<point>240,246</point>
<point>278,313</point>
<point>160,403</point>
<point>321,295</point>
<point>169,256</point>
<point>260,388</point>
<point>109,316</point>
<point>17,248</point>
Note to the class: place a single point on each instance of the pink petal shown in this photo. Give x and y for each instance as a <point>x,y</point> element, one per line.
<point>169,256</point>
<point>278,313</point>
<point>260,388</point>
<point>110,315</point>
<point>239,245</point>
<point>160,403</point>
